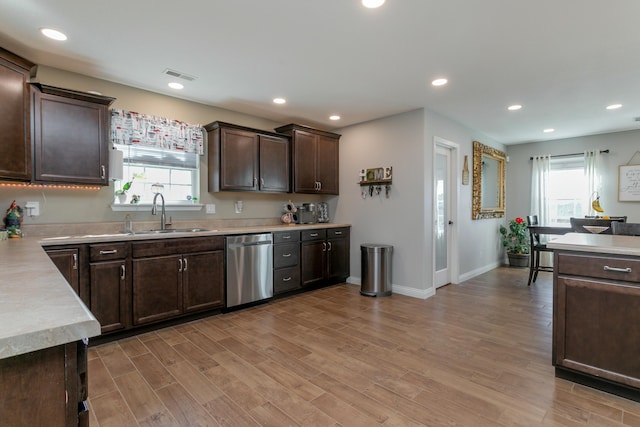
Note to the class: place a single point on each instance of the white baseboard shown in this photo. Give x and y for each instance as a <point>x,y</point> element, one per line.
<point>478,271</point>
<point>397,289</point>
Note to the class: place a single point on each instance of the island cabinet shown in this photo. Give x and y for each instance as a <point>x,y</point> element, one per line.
<point>245,159</point>
<point>176,276</point>
<point>286,261</point>
<point>70,133</point>
<point>45,388</point>
<point>110,285</point>
<point>596,313</point>
<point>324,255</point>
<point>15,135</point>
<point>67,260</point>
<point>315,159</point>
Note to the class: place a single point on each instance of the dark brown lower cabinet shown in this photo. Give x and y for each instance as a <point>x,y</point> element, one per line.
<point>67,260</point>
<point>109,285</point>
<point>176,277</point>
<point>596,310</point>
<point>324,255</point>
<point>44,388</point>
<point>286,261</point>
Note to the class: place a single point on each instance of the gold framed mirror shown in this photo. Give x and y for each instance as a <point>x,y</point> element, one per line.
<point>488,182</point>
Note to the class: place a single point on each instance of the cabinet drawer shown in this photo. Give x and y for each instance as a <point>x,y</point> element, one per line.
<point>286,236</point>
<point>286,255</point>
<point>618,268</point>
<point>334,233</point>
<point>108,251</point>
<point>316,234</point>
<point>176,246</point>
<point>286,279</point>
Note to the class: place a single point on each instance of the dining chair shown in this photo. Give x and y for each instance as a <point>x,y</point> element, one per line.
<point>625,228</point>
<point>594,225</point>
<point>537,247</point>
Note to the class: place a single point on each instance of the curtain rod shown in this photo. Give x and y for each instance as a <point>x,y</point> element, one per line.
<point>574,154</point>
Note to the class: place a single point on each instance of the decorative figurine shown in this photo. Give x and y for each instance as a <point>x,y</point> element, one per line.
<point>13,219</point>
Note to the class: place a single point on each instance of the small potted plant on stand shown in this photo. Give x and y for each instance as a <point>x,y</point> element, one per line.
<point>515,240</point>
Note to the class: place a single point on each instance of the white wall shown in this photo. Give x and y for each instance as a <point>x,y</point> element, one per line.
<point>622,146</point>
<point>406,142</point>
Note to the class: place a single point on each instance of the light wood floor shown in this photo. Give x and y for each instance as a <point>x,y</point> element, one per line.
<point>476,354</point>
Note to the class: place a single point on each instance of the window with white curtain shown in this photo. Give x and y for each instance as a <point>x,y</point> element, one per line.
<point>566,190</point>
<point>177,171</point>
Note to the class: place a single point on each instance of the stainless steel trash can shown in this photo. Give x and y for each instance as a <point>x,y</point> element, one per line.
<point>376,269</point>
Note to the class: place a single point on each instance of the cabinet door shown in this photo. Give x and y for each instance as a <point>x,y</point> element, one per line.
<point>592,328</point>
<point>304,162</point>
<point>15,145</point>
<point>313,261</point>
<point>70,140</point>
<point>338,259</point>
<point>109,299</point>
<point>239,160</point>
<point>67,262</point>
<point>157,288</point>
<point>274,164</point>
<point>203,280</point>
<point>327,165</point>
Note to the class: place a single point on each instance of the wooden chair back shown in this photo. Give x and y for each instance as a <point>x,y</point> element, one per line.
<point>625,228</point>
<point>582,225</point>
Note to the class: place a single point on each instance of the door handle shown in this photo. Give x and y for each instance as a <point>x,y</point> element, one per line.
<point>180,265</point>
<point>186,264</point>
<point>329,246</point>
<point>286,255</point>
<point>75,261</point>
<point>122,272</point>
<point>103,172</point>
<point>617,269</point>
<point>450,222</point>
<point>286,279</point>
<point>109,252</point>
<point>324,247</point>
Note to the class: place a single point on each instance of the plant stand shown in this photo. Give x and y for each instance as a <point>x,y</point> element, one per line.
<point>518,260</point>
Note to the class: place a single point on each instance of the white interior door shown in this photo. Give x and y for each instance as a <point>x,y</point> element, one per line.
<point>444,211</point>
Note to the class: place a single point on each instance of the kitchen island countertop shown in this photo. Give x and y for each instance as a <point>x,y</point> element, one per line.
<point>598,243</point>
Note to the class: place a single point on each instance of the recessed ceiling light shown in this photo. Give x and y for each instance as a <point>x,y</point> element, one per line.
<point>53,34</point>
<point>176,85</point>
<point>439,82</point>
<point>372,4</point>
<point>334,117</point>
<point>614,106</point>
<point>548,130</point>
<point>279,101</point>
<point>514,107</point>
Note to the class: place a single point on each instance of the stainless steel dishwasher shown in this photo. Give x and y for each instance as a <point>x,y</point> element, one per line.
<point>249,268</point>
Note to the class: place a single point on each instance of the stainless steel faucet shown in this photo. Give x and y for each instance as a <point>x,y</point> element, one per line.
<point>154,210</point>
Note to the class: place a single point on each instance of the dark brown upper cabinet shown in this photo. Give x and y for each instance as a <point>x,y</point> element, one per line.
<point>245,159</point>
<point>315,159</point>
<point>15,140</point>
<point>70,132</point>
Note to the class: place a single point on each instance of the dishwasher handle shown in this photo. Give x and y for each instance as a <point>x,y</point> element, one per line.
<point>245,244</point>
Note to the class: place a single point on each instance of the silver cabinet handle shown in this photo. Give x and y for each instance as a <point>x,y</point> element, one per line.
<point>186,264</point>
<point>319,185</point>
<point>122,272</point>
<point>329,246</point>
<point>75,261</point>
<point>287,279</point>
<point>255,181</point>
<point>313,235</point>
<point>619,270</point>
<point>286,237</point>
<point>286,255</point>
<point>261,182</point>
<point>338,233</point>
<point>103,172</point>
<point>180,264</point>
<point>324,246</point>
<point>109,252</point>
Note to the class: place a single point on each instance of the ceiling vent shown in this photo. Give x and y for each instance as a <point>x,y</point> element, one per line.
<point>178,74</point>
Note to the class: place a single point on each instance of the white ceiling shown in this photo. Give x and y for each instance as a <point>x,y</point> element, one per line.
<point>563,60</point>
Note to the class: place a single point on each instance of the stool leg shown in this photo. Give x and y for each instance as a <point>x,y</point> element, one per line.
<point>535,276</point>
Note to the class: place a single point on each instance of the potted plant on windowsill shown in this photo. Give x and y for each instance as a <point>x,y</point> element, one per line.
<point>515,240</point>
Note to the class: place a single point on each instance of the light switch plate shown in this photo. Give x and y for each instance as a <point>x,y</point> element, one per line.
<point>210,208</point>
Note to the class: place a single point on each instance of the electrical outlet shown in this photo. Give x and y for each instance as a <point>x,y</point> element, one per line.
<point>211,208</point>
<point>32,208</point>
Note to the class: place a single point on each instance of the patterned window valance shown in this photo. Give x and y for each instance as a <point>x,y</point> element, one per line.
<point>131,128</point>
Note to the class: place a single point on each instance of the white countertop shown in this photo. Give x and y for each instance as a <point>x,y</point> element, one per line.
<point>600,243</point>
<point>38,308</point>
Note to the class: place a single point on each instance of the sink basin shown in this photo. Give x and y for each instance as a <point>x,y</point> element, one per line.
<point>173,230</point>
